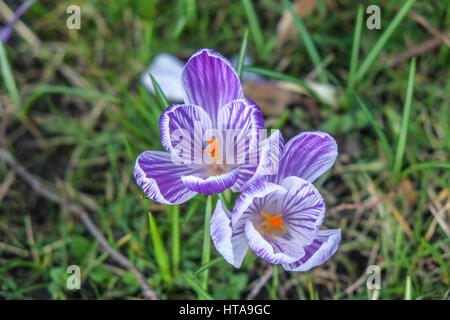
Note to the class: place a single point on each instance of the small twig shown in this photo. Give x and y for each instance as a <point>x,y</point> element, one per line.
<point>424,23</point>
<point>39,187</point>
<point>362,206</point>
<point>260,284</point>
<point>414,51</point>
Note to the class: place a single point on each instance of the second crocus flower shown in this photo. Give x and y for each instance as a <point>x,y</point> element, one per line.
<point>279,216</point>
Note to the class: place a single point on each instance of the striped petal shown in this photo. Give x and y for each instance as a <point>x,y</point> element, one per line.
<point>303,210</point>
<point>265,250</point>
<point>318,252</point>
<point>160,178</point>
<point>232,246</point>
<point>245,205</point>
<point>210,81</point>
<point>268,164</point>
<point>307,155</point>
<point>210,184</point>
<point>183,124</point>
<point>241,121</point>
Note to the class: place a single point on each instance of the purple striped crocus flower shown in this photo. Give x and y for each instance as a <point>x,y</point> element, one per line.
<point>214,104</point>
<point>279,216</point>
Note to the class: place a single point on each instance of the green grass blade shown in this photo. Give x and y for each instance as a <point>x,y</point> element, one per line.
<point>59,89</point>
<point>255,28</point>
<point>282,119</point>
<point>208,265</point>
<point>8,77</point>
<point>408,294</point>
<point>405,119</point>
<point>160,252</point>
<point>437,256</point>
<point>197,287</point>
<point>307,41</point>
<point>425,165</point>
<point>160,96</point>
<point>206,252</point>
<point>355,47</point>
<point>191,211</point>
<point>242,53</point>
<point>379,45</point>
<point>175,221</point>
<point>379,132</point>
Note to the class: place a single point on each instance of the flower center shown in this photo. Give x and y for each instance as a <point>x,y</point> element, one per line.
<point>214,150</point>
<point>274,222</point>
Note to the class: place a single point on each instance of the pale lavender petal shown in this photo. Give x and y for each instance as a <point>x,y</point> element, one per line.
<point>189,120</point>
<point>242,114</point>
<point>307,155</point>
<point>268,161</point>
<point>303,210</point>
<point>241,121</point>
<point>210,82</point>
<point>160,178</point>
<point>318,252</point>
<point>265,250</point>
<point>210,184</point>
<point>244,208</point>
<point>233,247</point>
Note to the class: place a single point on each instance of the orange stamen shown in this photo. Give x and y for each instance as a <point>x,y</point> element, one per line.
<point>273,221</point>
<point>213,149</point>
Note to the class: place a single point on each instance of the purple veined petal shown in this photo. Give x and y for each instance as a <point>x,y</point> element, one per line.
<point>265,250</point>
<point>244,206</point>
<point>318,252</point>
<point>303,209</point>
<point>232,246</point>
<point>307,155</point>
<point>160,178</point>
<point>210,81</point>
<point>242,114</point>
<point>211,184</point>
<point>187,121</point>
<point>271,149</point>
<point>246,172</point>
<point>241,121</point>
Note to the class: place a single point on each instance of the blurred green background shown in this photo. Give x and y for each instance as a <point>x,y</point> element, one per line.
<point>80,117</point>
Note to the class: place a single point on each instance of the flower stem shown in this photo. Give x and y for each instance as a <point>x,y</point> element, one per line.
<point>206,254</point>
<point>175,220</point>
<point>274,288</point>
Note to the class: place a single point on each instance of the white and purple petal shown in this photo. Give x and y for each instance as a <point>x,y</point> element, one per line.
<point>245,205</point>
<point>160,178</point>
<point>303,210</point>
<point>185,122</point>
<point>241,121</point>
<point>318,252</point>
<point>270,150</point>
<point>210,81</point>
<point>307,155</point>
<point>266,250</point>
<point>232,246</point>
<point>211,184</point>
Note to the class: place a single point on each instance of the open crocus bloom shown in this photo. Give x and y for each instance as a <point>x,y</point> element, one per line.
<point>279,216</point>
<point>196,136</point>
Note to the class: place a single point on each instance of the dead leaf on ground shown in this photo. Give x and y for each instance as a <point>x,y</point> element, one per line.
<point>286,28</point>
<point>271,98</point>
